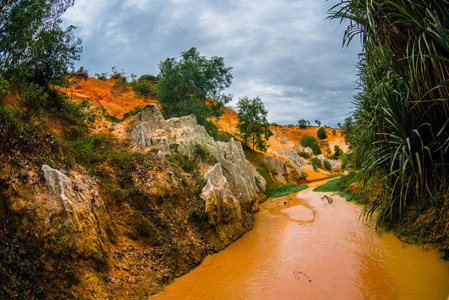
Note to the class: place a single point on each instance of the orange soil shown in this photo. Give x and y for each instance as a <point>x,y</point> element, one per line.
<point>116,99</point>
<point>228,122</point>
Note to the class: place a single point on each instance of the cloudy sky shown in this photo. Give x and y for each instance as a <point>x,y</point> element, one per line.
<point>283,51</point>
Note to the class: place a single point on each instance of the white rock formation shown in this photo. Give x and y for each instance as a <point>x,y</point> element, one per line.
<point>221,205</point>
<point>57,183</point>
<point>335,164</point>
<point>293,160</point>
<point>231,192</point>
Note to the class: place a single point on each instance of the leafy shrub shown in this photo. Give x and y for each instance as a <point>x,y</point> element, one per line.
<point>75,132</point>
<point>321,133</point>
<point>304,154</point>
<point>121,81</point>
<point>308,141</point>
<point>145,89</point>
<point>22,271</point>
<point>101,76</point>
<point>327,165</point>
<point>316,149</point>
<point>222,136</point>
<point>33,100</point>
<point>91,149</point>
<point>302,123</point>
<point>317,163</point>
<point>334,132</point>
<point>337,152</point>
<point>257,180</point>
<point>116,74</point>
<point>4,86</point>
<point>147,77</point>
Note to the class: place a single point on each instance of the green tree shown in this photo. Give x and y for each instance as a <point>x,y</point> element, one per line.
<point>310,141</point>
<point>34,48</point>
<point>321,133</point>
<point>302,123</point>
<point>193,85</point>
<point>253,123</point>
<point>147,77</point>
<point>318,122</point>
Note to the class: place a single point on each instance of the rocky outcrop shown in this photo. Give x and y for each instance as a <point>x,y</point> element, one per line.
<point>221,205</point>
<point>57,183</point>
<point>234,188</point>
<point>335,165</point>
<point>288,165</point>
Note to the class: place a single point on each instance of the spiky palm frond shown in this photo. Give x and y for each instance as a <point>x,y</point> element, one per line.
<point>402,110</point>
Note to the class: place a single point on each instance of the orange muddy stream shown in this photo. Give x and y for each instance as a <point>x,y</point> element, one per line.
<point>306,249</point>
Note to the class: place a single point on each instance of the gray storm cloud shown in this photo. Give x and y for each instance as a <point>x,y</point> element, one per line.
<point>283,51</point>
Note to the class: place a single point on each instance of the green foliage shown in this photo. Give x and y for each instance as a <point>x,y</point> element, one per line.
<point>279,190</point>
<point>321,133</point>
<point>102,76</point>
<point>147,77</point>
<point>33,100</point>
<point>4,87</point>
<point>302,123</point>
<point>327,165</point>
<point>34,47</point>
<point>318,122</point>
<point>316,163</point>
<point>304,155</point>
<point>341,185</point>
<point>253,123</point>
<point>334,132</point>
<point>310,141</point>
<point>399,128</point>
<point>193,85</point>
<point>145,89</point>
<point>92,149</point>
<point>337,153</point>
<point>22,274</point>
<point>257,180</point>
<point>118,75</point>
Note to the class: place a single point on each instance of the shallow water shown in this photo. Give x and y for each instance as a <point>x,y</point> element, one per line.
<point>306,249</point>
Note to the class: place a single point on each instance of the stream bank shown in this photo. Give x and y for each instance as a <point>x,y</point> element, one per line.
<point>303,248</point>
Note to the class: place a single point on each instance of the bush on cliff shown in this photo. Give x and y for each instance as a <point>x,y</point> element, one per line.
<point>321,133</point>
